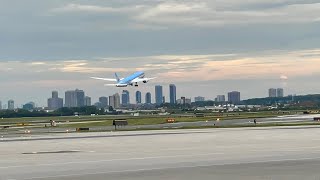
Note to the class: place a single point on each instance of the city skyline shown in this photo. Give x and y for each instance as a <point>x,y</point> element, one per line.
<point>49,45</point>
<point>88,99</point>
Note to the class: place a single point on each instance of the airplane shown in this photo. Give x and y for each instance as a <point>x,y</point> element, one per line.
<point>131,80</point>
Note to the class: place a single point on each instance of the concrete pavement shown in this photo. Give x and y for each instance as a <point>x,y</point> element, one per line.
<point>242,153</point>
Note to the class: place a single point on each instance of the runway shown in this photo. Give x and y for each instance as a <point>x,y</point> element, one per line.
<point>241,153</point>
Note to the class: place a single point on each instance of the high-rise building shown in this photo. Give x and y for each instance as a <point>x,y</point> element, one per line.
<point>111,101</point>
<point>11,105</point>
<point>173,94</point>
<point>183,100</point>
<point>234,97</point>
<point>125,98</point>
<point>148,98</point>
<point>87,101</point>
<point>221,98</point>
<point>55,102</point>
<point>116,100</point>
<point>70,99</point>
<point>280,92</point>
<point>74,98</point>
<point>159,94</point>
<point>199,98</point>
<point>272,92</point>
<point>138,97</point>
<point>80,97</point>
<point>104,101</point>
<point>0,105</point>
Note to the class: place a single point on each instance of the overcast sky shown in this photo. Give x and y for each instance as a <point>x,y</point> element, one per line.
<point>205,47</point>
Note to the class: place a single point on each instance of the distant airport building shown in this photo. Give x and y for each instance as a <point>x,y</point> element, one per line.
<point>221,98</point>
<point>199,99</point>
<point>87,101</point>
<point>55,102</point>
<point>104,101</point>
<point>11,105</point>
<point>159,95</point>
<point>234,97</point>
<point>74,98</point>
<point>272,92</point>
<point>138,97</point>
<point>125,98</point>
<point>148,98</point>
<point>173,94</point>
<point>280,92</point>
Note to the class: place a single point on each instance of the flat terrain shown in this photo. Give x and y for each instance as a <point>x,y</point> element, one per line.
<point>241,153</point>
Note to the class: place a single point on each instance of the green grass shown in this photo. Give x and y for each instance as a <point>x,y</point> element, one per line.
<point>87,121</point>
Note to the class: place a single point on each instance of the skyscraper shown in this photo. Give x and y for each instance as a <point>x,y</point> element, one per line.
<point>173,94</point>
<point>234,97</point>
<point>0,105</point>
<point>80,97</point>
<point>74,98</point>
<point>70,99</point>
<point>148,98</point>
<point>55,102</point>
<point>138,97</point>
<point>111,101</point>
<point>159,96</point>
<point>116,100</point>
<point>104,101</point>
<point>272,92</point>
<point>87,101</point>
<point>125,98</point>
<point>280,92</point>
<point>221,98</point>
<point>11,105</point>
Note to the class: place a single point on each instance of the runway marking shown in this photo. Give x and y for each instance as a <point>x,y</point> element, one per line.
<point>110,160</point>
<point>162,168</point>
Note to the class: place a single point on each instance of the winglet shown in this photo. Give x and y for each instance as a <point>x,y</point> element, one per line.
<point>117,77</point>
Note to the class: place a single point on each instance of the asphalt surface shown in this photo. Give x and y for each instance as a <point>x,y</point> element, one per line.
<point>241,153</point>
<point>24,131</point>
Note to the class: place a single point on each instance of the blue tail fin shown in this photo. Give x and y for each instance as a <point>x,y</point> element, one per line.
<point>117,77</point>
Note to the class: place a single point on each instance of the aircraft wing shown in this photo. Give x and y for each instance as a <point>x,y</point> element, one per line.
<point>142,79</point>
<point>117,85</point>
<point>105,79</point>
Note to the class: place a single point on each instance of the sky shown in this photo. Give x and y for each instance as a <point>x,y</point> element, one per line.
<point>205,47</point>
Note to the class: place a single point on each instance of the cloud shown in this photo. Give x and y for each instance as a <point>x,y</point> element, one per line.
<point>181,68</point>
<point>203,13</point>
<point>72,8</point>
<point>161,14</point>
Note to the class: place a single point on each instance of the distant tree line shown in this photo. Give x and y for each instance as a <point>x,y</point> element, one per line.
<point>65,111</point>
<point>297,101</point>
